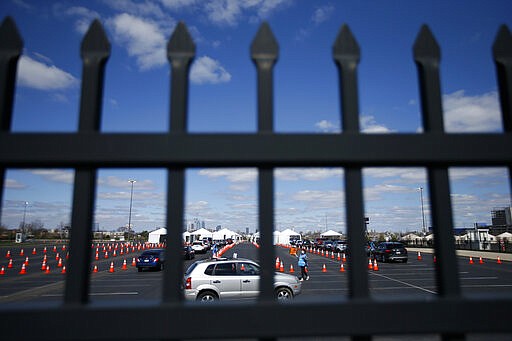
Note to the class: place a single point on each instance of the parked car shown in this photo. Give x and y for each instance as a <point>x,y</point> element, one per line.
<point>390,251</point>
<point>222,278</point>
<point>198,247</point>
<point>188,252</point>
<point>328,245</point>
<point>340,246</point>
<point>151,259</point>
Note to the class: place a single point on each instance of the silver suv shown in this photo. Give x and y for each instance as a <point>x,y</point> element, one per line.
<point>213,279</point>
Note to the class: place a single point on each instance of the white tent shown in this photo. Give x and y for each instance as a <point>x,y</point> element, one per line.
<point>330,233</point>
<point>154,236</point>
<point>505,236</point>
<point>202,233</point>
<point>284,236</point>
<point>225,234</point>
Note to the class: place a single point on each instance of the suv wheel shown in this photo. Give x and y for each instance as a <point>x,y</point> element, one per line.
<point>207,296</point>
<point>284,294</point>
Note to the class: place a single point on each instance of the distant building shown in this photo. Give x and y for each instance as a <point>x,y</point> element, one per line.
<point>501,219</point>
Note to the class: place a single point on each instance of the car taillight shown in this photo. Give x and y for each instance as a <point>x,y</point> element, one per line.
<point>188,283</point>
<point>156,259</point>
<point>388,251</point>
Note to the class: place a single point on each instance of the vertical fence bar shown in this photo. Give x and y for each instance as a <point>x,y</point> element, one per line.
<point>427,56</point>
<point>95,51</point>
<point>264,53</point>
<point>502,53</point>
<point>346,54</point>
<point>180,53</point>
<point>11,46</point>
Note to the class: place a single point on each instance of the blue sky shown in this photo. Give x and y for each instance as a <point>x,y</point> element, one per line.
<point>223,99</point>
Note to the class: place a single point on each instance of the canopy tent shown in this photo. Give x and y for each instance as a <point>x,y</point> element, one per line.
<point>284,236</point>
<point>505,236</point>
<point>155,236</point>
<point>330,233</point>
<point>202,233</point>
<point>225,234</point>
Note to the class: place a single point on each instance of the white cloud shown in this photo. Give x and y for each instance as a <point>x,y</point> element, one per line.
<point>85,16</point>
<point>14,184</point>
<point>370,126</point>
<point>41,76</point>
<point>230,12</point>
<point>231,174</point>
<point>208,70</point>
<point>142,38</point>
<point>144,8</point>
<point>322,14</point>
<point>119,182</point>
<point>55,175</point>
<point>480,113</point>
<point>309,174</point>
<point>179,4</point>
<point>327,126</point>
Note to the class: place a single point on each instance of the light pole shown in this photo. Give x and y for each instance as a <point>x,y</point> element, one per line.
<point>130,214</point>
<point>24,216</point>
<point>422,210</point>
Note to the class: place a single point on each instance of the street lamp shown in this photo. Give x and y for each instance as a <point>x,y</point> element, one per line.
<point>422,210</point>
<point>24,216</point>
<point>131,199</point>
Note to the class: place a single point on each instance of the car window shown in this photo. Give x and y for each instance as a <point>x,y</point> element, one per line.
<point>209,269</point>
<point>248,269</point>
<point>225,269</point>
<point>190,269</point>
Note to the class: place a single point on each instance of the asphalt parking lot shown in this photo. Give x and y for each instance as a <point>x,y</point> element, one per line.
<point>414,279</point>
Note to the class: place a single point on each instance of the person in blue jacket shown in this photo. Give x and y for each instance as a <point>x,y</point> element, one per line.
<point>303,264</point>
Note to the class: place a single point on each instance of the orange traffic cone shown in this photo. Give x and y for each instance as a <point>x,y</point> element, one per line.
<point>9,266</point>
<point>281,267</point>
<point>277,263</point>
<point>291,269</point>
<point>124,265</point>
<point>342,268</point>
<point>22,253</point>
<point>106,254</point>
<point>2,271</point>
<point>45,250</point>
<point>59,264</point>
<point>26,261</point>
<point>344,258</point>
<point>43,265</point>
<point>34,251</point>
<point>324,269</point>
<point>47,270</point>
<point>375,265</point>
<point>481,261</point>
<point>57,256</point>
<point>8,254</point>
<point>419,255</point>
<point>95,269</point>
<point>332,255</point>
<point>23,269</point>
<point>111,267</point>
<point>114,254</point>
<point>97,256</point>
<point>499,260</point>
<point>471,260</point>
<point>339,257</point>
<point>134,263</point>
<point>63,270</point>
<point>370,265</point>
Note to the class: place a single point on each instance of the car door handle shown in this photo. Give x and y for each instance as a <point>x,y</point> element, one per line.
<point>216,281</point>
<point>246,281</point>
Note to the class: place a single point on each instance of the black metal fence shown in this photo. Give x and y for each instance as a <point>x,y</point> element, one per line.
<point>449,314</point>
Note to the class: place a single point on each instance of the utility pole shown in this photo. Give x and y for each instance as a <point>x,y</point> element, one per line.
<point>424,230</point>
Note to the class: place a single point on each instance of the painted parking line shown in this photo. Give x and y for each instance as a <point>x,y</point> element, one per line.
<point>97,294</point>
<point>405,283</point>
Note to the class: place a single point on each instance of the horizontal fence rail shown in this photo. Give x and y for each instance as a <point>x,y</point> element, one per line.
<point>448,314</point>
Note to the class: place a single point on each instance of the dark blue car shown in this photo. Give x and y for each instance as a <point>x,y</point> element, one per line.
<point>151,259</point>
